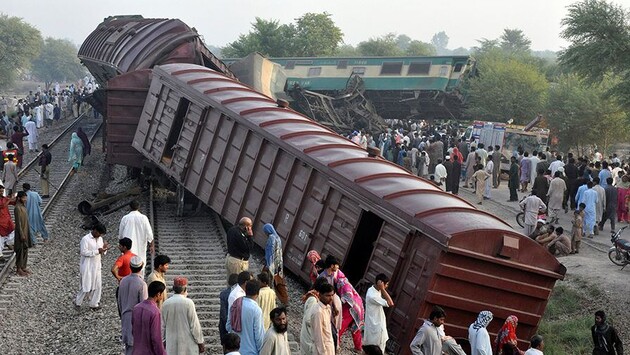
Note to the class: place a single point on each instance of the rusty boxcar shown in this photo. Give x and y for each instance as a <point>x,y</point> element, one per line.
<point>243,155</point>
<point>119,53</point>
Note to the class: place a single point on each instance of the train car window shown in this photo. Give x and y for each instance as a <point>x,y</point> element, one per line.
<point>290,64</point>
<point>176,128</point>
<point>458,67</point>
<point>314,71</point>
<point>360,71</point>
<point>342,64</point>
<point>416,68</point>
<point>391,68</point>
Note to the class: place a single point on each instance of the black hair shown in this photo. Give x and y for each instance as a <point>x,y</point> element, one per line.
<point>252,288</point>
<point>231,342</point>
<point>263,277</point>
<point>160,260</point>
<point>320,264</point>
<point>277,311</point>
<point>155,288</point>
<point>134,205</point>
<point>318,282</point>
<point>136,269</point>
<point>232,279</point>
<point>372,350</point>
<point>243,277</point>
<point>324,287</point>
<point>21,194</point>
<point>382,277</point>
<point>26,186</point>
<point>330,261</point>
<point>437,312</point>
<point>609,180</point>
<point>536,341</point>
<point>559,230</point>
<point>126,242</point>
<point>99,227</point>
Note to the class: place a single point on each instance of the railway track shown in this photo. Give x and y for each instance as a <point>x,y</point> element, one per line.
<point>60,172</point>
<point>196,246</point>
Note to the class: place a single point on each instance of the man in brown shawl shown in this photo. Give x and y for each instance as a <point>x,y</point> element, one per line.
<point>22,241</point>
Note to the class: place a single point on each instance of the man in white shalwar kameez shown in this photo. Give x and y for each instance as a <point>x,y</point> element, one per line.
<point>181,330</point>
<point>39,115</point>
<point>92,248</point>
<point>600,207</point>
<point>555,195</point>
<point>31,128</point>
<point>531,206</point>
<point>487,192</point>
<point>375,331</point>
<point>276,341</point>
<point>440,173</point>
<point>136,226</point>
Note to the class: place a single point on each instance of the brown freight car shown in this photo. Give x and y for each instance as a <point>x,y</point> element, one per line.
<point>242,155</point>
<point>133,44</point>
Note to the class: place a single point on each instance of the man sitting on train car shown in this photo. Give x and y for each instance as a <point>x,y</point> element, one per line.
<point>239,243</point>
<point>427,341</point>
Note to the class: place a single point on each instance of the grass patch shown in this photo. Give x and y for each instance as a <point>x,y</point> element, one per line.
<point>566,324</point>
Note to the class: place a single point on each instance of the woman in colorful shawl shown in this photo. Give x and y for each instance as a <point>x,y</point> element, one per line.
<point>352,311</point>
<point>506,335</point>
<point>76,152</point>
<point>460,157</point>
<point>273,250</point>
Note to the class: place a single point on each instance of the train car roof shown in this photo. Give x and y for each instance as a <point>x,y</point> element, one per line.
<point>367,59</point>
<point>413,201</point>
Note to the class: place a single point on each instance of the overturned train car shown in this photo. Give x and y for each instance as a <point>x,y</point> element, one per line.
<point>242,155</point>
<point>120,53</point>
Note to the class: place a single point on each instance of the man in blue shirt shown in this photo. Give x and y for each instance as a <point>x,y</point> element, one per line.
<point>250,328</point>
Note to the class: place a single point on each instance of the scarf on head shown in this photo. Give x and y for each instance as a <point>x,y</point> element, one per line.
<point>507,334</point>
<point>600,333</point>
<point>484,318</point>
<point>273,249</point>
<point>313,257</point>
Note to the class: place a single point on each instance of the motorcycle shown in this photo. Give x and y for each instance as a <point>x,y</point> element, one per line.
<point>542,214</point>
<point>619,253</point>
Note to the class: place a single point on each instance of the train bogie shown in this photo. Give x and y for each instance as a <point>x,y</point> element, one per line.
<point>243,155</point>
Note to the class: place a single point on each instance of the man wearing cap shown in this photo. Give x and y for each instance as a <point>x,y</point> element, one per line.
<point>92,248</point>
<point>132,290</point>
<point>181,329</point>
<point>239,242</point>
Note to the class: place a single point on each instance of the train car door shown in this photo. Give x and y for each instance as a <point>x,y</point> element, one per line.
<point>362,246</point>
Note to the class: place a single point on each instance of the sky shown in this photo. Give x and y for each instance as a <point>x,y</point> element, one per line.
<point>221,22</point>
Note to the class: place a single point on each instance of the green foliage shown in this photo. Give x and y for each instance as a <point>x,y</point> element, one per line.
<point>599,33</point>
<point>316,35</point>
<point>384,46</point>
<point>57,62</point>
<point>346,50</point>
<point>440,42</point>
<point>312,35</point>
<point>506,89</point>
<point>514,41</point>
<point>581,115</point>
<point>19,44</point>
<point>418,48</point>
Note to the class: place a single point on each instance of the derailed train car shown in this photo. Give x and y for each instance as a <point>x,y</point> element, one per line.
<point>243,155</point>
<point>120,53</point>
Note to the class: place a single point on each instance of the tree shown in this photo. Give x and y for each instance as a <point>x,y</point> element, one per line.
<point>599,33</point>
<point>418,48</point>
<point>505,89</point>
<point>440,42</point>
<point>19,44</point>
<point>316,35</point>
<point>580,115</point>
<point>346,50</point>
<point>514,41</point>
<point>57,62</point>
<point>267,37</point>
<point>312,35</point>
<point>403,41</point>
<point>384,46</point>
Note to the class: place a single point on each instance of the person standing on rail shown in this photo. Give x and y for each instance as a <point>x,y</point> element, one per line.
<point>75,156</point>
<point>7,227</point>
<point>44,164</point>
<point>133,290</point>
<point>146,323</point>
<point>377,298</point>
<point>22,241</point>
<point>10,175</point>
<point>35,216</point>
<point>181,330</point>
<point>18,141</point>
<point>31,128</point>
<point>239,242</point>
<point>160,267</point>
<point>92,248</point>
<point>87,146</point>
<point>136,226</point>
